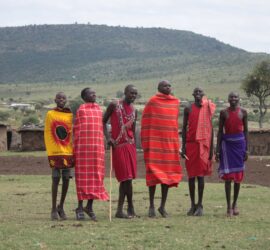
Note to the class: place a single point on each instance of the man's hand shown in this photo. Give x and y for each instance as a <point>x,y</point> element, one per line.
<point>111,142</point>
<point>183,152</point>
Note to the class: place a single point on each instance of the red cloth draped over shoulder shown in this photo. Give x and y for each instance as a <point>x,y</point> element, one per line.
<point>160,140</point>
<point>199,139</point>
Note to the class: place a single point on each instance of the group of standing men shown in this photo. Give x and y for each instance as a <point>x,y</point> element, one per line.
<point>160,144</point>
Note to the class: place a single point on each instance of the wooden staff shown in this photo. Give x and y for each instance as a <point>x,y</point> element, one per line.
<point>110,184</point>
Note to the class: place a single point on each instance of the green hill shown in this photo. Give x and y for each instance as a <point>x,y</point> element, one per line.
<point>99,53</point>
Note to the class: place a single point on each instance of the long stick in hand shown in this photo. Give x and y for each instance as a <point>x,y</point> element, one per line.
<point>110,183</point>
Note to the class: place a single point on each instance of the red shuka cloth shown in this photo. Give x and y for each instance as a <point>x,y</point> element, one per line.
<point>160,140</point>
<point>199,139</point>
<point>124,152</point>
<point>233,125</point>
<point>89,153</point>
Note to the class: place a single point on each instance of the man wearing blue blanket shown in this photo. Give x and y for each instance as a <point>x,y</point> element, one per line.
<point>231,150</point>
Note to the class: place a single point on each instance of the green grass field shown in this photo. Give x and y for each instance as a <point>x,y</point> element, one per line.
<point>25,220</point>
<point>45,93</point>
<point>182,89</point>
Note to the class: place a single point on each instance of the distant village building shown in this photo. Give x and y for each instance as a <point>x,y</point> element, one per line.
<point>259,142</point>
<point>14,140</point>
<point>3,137</point>
<point>32,139</point>
<point>22,106</point>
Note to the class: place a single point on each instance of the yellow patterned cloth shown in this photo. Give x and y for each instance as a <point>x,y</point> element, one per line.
<point>58,138</point>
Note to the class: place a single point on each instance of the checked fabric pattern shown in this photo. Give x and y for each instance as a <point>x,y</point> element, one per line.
<point>89,153</point>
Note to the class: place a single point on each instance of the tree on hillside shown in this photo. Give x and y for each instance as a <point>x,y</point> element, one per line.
<point>257,84</point>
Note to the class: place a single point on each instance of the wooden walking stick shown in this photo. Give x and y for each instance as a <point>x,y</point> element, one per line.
<point>110,184</point>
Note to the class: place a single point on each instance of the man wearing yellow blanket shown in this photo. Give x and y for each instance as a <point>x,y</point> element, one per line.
<point>58,142</point>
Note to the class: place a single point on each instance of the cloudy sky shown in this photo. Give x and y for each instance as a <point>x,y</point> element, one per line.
<point>242,23</point>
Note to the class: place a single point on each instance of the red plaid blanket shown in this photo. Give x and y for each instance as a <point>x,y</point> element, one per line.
<point>204,129</point>
<point>89,153</point>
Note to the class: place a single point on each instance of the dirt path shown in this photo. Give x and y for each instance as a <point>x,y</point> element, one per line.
<point>257,169</point>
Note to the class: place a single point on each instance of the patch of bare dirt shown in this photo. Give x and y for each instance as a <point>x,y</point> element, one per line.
<point>257,168</point>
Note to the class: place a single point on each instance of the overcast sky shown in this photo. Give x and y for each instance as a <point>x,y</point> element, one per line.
<point>241,23</point>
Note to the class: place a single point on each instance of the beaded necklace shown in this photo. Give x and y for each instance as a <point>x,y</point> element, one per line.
<point>130,118</point>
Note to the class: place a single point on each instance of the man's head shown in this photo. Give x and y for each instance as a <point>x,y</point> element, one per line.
<point>233,99</point>
<point>164,87</point>
<point>131,93</point>
<point>198,94</point>
<point>88,95</point>
<point>60,100</point>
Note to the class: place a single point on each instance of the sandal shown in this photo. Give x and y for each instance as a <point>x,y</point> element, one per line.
<point>61,213</point>
<point>151,212</point>
<point>91,214</point>
<point>79,214</point>
<point>199,211</point>
<point>229,212</point>
<point>191,211</point>
<point>121,215</point>
<point>235,211</point>
<point>54,215</point>
<point>131,213</point>
<point>163,212</point>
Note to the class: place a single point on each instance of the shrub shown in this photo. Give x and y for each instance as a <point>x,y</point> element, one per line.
<point>33,119</point>
<point>4,115</point>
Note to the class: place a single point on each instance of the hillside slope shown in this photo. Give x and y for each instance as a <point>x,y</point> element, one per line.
<point>99,53</point>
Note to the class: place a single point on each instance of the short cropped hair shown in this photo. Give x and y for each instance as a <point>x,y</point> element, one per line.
<point>83,92</point>
<point>128,87</point>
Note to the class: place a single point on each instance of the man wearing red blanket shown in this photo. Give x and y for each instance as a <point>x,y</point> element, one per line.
<point>123,115</point>
<point>197,145</point>
<point>160,143</point>
<point>89,154</point>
